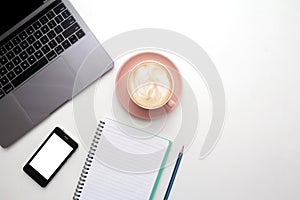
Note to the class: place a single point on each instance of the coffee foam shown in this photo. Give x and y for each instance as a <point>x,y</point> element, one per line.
<point>150,85</point>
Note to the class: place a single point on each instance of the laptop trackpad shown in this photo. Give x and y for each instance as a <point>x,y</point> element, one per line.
<point>46,91</point>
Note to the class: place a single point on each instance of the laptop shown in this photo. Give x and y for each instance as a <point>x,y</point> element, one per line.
<point>43,46</point>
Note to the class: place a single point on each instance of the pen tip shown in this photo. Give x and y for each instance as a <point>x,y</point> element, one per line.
<point>182,148</point>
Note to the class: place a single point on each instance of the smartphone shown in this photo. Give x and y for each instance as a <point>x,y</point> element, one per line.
<point>50,157</point>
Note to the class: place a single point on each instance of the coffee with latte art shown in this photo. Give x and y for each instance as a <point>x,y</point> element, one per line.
<point>150,85</point>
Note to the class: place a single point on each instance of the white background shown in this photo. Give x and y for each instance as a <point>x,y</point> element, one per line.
<point>255,46</point>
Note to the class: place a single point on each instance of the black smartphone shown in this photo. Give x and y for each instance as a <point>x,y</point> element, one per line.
<point>50,157</point>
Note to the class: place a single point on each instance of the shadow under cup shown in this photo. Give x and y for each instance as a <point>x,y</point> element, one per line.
<point>150,85</point>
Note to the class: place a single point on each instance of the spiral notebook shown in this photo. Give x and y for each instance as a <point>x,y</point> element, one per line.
<point>123,163</point>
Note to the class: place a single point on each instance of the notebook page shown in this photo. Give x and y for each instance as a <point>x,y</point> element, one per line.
<point>125,167</point>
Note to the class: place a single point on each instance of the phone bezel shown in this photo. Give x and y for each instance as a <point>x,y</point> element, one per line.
<point>33,173</point>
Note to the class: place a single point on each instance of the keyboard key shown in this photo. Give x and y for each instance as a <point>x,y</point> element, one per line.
<point>58,29</point>
<point>59,19</point>
<point>16,60</point>
<point>51,55</point>
<point>37,25</point>
<point>9,66</point>
<point>29,30</point>
<point>45,49</point>
<point>52,44</point>
<point>65,14</point>
<point>73,39</point>
<point>1,94</point>
<point>3,60</point>
<point>45,29</point>
<point>17,50</point>
<point>10,55</point>
<point>50,15</point>
<point>66,44</point>
<point>44,39</point>
<point>38,54</point>
<point>51,24</point>
<point>44,20</point>
<point>3,80</point>
<point>72,29</point>
<point>9,46</point>
<point>59,49</point>
<point>23,55</point>
<point>59,38</point>
<point>31,39</point>
<point>65,24</point>
<point>11,75</point>
<point>38,34</point>
<point>24,64</point>
<point>29,72</point>
<point>51,34</point>
<point>3,71</point>
<point>30,50</point>
<point>58,9</point>
<point>23,35</point>
<point>2,51</point>
<point>80,33</point>
<point>24,44</point>
<point>31,59</point>
<point>18,70</point>
<point>8,88</point>
<point>37,45</point>
<point>16,40</point>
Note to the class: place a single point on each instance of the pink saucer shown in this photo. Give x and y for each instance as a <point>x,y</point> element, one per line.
<point>121,86</point>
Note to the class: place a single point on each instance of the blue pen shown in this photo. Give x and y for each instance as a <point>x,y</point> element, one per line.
<point>174,174</point>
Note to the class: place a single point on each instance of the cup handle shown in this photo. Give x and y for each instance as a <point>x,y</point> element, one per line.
<point>170,104</point>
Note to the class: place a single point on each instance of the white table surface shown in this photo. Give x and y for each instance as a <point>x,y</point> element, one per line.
<point>255,46</point>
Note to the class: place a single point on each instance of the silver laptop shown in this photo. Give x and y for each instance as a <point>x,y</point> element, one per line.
<point>43,45</point>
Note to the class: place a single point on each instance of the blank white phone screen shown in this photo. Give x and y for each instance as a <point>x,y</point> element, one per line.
<point>51,156</point>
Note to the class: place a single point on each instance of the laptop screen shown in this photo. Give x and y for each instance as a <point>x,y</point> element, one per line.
<point>13,11</point>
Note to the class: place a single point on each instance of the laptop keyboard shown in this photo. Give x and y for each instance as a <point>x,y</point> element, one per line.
<point>35,44</point>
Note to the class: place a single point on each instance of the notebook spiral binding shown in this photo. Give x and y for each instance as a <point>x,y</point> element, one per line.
<point>88,161</point>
